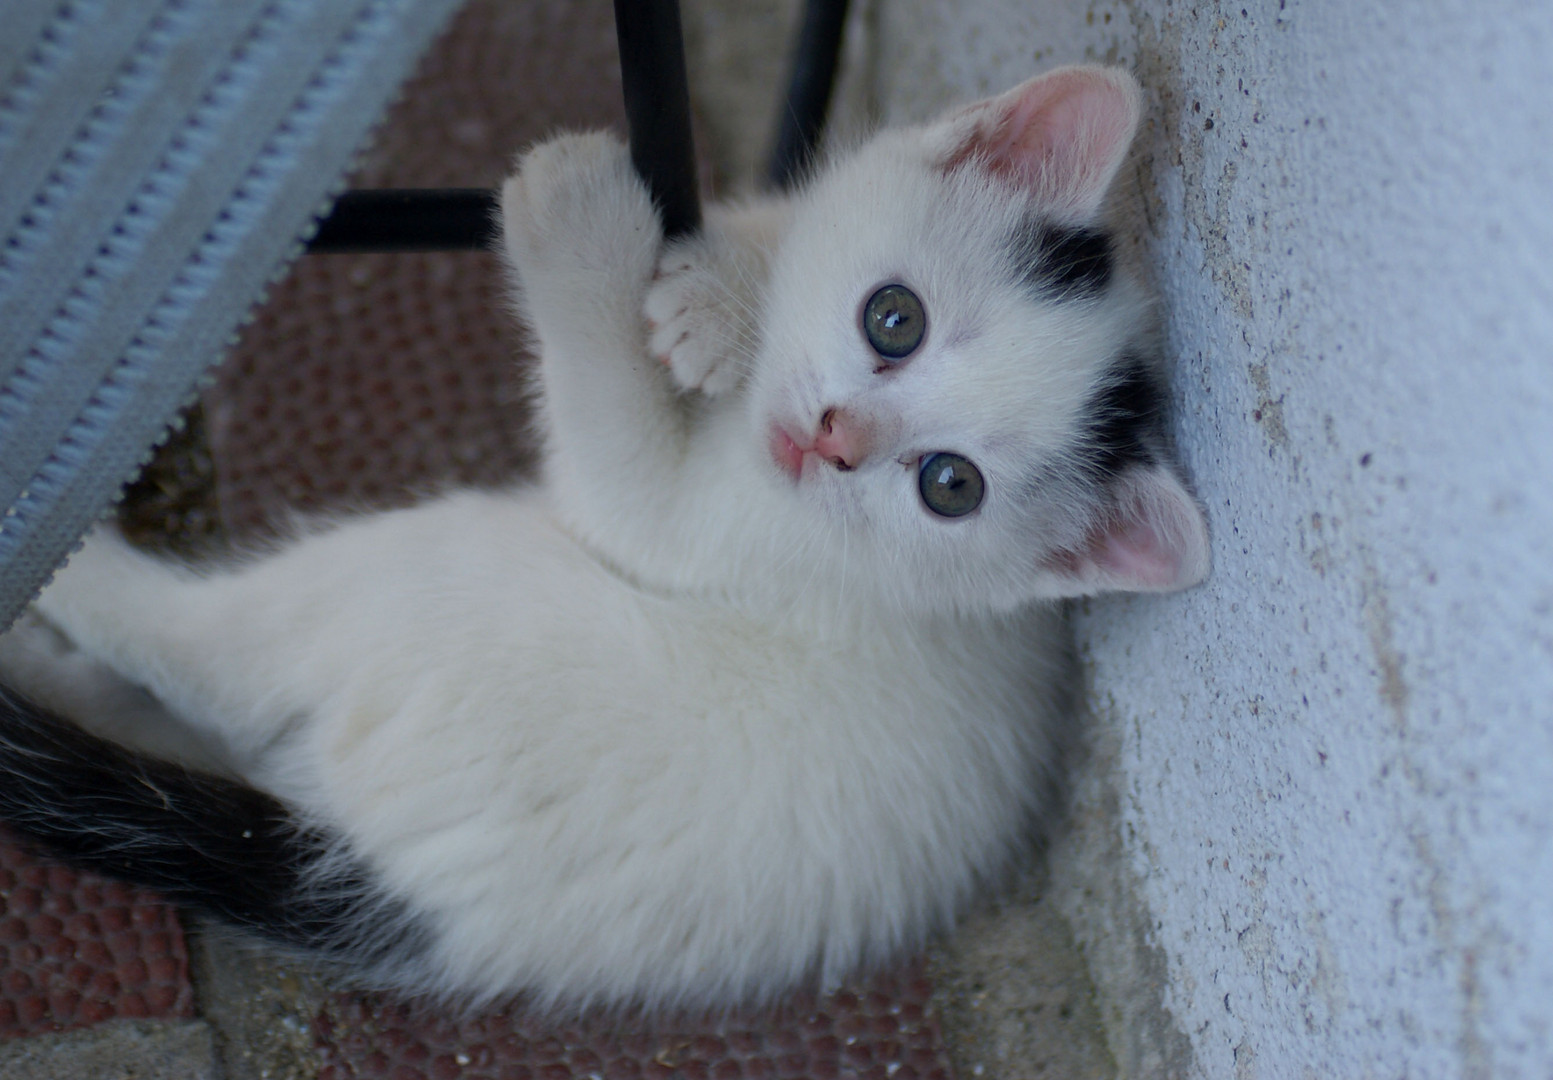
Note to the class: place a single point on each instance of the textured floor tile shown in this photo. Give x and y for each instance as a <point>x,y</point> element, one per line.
<point>119,1050</point>
<point>260,1004</point>
<point>76,949</point>
<point>1015,996</point>
<point>883,1030</point>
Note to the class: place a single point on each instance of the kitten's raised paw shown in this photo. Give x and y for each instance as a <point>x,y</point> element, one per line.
<point>576,197</point>
<point>693,322</point>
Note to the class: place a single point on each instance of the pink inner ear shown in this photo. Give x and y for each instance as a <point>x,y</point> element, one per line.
<point>1133,553</point>
<point>1062,135</point>
<point>1155,541</point>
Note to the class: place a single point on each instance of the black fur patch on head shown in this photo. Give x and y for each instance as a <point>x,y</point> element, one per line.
<point>205,840</point>
<point>1061,262</point>
<point>1120,419</point>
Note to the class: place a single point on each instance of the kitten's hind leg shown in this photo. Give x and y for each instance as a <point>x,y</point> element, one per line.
<point>215,650</point>
<point>42,664</point>
<point>703,308</point>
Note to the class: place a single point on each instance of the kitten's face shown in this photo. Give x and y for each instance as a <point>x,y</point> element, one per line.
<point>943,359</point>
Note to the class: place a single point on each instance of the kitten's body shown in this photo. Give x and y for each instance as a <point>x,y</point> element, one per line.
<point>721,704</point>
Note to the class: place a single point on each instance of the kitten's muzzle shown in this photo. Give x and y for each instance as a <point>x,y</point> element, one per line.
<point>842,440</point>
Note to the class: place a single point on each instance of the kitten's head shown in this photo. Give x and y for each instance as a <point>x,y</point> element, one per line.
<point>957,374</point>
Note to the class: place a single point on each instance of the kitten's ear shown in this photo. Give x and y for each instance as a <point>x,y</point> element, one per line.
<point>1061,135</point>
<point>1153,540</point>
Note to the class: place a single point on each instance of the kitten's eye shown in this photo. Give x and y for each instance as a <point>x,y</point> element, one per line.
<point>894,322</point>
<point>951,486</point>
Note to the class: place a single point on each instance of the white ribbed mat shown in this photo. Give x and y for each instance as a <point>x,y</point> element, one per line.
<point>161,161</point>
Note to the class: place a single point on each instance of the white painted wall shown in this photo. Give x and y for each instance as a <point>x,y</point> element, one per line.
<point>1314,836</point>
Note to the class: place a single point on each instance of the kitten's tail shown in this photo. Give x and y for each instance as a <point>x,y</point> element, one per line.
<point>200,839</point>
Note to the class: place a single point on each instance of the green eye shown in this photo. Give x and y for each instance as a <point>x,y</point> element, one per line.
<point>894,322</point>
<point>951,486</point>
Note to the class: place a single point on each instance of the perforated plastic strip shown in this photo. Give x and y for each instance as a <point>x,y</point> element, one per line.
<point>163,162</point>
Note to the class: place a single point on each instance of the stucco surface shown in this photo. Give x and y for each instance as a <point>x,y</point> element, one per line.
<point>1314,832</point>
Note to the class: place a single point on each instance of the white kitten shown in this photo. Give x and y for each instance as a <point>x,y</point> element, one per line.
<point>759,682</point>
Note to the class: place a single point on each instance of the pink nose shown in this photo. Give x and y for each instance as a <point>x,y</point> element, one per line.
<point>842,439</point>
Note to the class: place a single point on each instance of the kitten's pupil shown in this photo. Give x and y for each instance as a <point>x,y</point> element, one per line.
<point>950,485</point>
<point>894,322</point>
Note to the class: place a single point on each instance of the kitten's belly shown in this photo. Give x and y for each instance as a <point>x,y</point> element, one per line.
<point>656,782</point>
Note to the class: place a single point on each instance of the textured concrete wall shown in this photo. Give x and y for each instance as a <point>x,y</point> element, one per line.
<point>1314,833</point>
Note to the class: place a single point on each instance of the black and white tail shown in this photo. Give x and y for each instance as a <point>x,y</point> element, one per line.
<point>199,839</point>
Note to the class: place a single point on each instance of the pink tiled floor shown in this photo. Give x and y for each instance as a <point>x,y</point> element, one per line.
<point>76,949</point>
<point>883,1030</point>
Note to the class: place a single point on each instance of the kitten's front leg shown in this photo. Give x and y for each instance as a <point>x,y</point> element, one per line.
<point>703,308</point>
<point>581,239</point>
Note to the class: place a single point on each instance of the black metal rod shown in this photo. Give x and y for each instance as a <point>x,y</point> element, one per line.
<point>409,219</point>
<point>809,88</point>
<point>657,99</point>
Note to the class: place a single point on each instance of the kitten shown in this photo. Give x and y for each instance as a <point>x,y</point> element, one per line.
<point>756,685</point>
